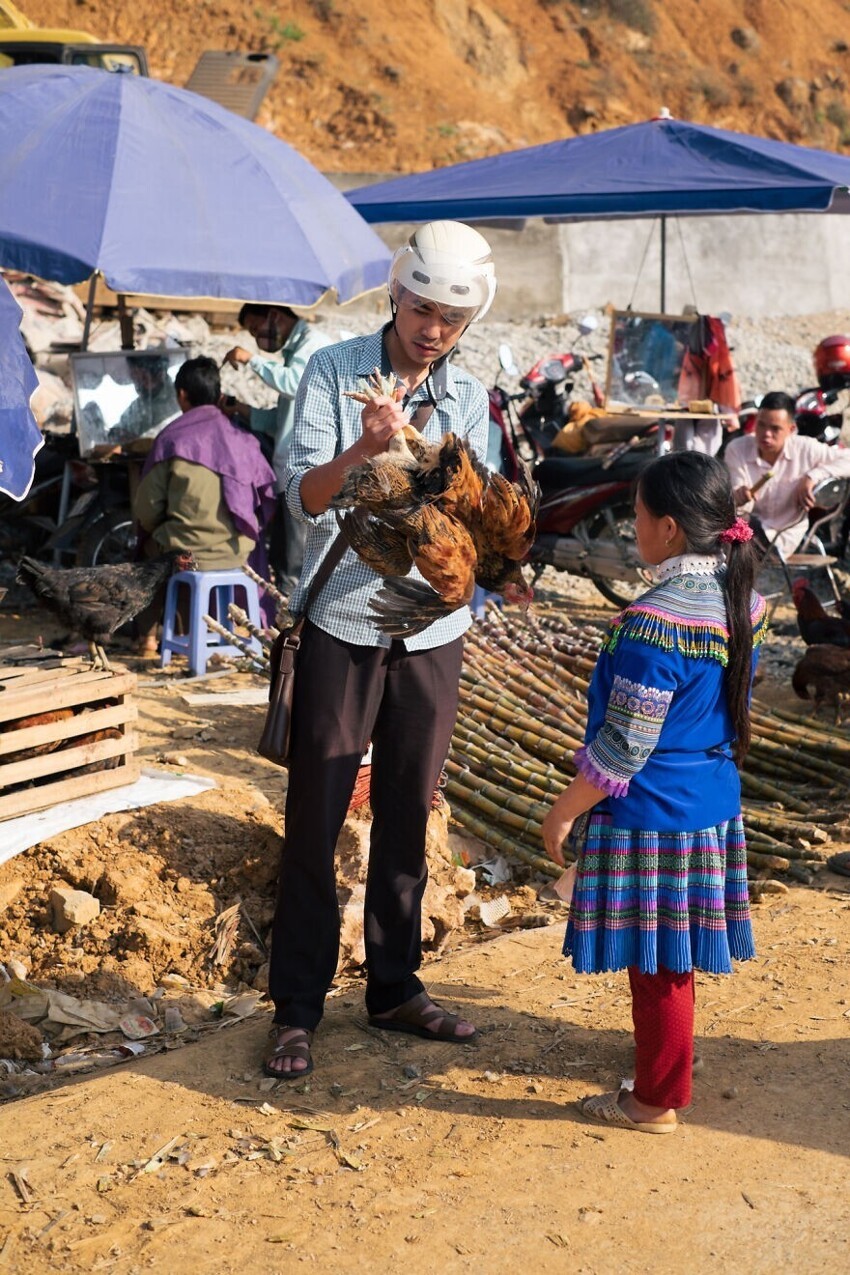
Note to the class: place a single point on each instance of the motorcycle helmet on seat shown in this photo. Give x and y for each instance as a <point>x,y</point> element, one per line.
<point>832,362</point>
<point>449,264</point>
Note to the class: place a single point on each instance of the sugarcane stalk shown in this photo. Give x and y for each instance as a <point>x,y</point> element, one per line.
<point>240,617</point>
<point>273,592</point>
<point>522,777</point>
<point>260,659</point>
<point>773,861</point>
<point>519,822</point>
<point>497,839</point>
<point>757,787</point>
<point>516,802</point>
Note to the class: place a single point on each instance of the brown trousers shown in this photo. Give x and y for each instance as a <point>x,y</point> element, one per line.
<point>346,695</point>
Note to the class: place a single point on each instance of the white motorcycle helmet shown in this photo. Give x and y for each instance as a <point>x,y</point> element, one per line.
<point>448,263</point>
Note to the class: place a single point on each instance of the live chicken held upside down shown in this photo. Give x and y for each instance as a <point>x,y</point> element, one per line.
<point>435,507</point>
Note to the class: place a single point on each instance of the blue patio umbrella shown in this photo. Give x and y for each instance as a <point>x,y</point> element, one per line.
<point>20,437</point>
<point>663,167</point>
<point>658,168</point>
<point>167,193</point>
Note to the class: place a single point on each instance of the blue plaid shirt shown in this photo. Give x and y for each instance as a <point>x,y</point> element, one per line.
<point>327,424</point>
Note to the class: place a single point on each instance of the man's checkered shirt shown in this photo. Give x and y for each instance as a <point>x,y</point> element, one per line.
<point>327,424</point>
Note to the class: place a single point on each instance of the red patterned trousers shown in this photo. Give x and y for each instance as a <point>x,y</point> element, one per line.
<point>663,1014</point>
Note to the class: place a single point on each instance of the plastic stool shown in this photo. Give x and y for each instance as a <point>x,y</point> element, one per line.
<point>200,641</point>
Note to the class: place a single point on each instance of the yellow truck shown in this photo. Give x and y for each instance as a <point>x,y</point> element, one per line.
<point>22,43</point>
<point>238,81</point>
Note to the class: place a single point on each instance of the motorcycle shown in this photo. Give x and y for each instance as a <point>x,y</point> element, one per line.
<point>29,526</point>
<point>585,524</point>
<point>544,392</point>
<point>99,527</point>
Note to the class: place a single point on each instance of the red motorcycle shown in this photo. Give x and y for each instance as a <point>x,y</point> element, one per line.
<point>528,430</point>
<point>585,524</point>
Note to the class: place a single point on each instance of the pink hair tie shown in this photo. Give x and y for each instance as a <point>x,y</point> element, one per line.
<point>739,530</point>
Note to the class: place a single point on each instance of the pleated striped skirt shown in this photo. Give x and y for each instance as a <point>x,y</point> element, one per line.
<point>676,900</point>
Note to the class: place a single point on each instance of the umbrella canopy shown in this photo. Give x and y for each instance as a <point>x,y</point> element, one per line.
<point>661,167</point>
<point>20,437</point>
<point>167,193</point>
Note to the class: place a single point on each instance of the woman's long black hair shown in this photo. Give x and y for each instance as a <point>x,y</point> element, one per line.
<point>696,491</point>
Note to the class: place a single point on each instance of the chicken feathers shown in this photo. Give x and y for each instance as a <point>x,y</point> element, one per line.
<point>461,525</point>
<point>376,543</point>
<point>95,601</point>
<point>825,670</point>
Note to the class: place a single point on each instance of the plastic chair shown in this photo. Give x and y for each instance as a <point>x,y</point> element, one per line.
<point>206,588</point>
<point>831,501</point>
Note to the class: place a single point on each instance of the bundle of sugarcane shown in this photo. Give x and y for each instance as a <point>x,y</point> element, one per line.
<point>523,713</point>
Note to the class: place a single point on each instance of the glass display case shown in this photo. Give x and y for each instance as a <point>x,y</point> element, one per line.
<point>646,357</point>
<point>124,398</point>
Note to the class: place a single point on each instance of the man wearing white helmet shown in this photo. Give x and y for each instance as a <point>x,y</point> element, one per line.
<point>355,685</point>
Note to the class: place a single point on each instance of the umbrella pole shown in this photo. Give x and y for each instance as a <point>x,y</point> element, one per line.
<point>125,322</point>
<point>663,265</point>
<point>84,344</point>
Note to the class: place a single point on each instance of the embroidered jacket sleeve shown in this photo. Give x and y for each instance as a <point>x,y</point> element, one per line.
<point>642,690</point>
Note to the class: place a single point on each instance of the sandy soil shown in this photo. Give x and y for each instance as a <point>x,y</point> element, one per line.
<point>404,85</point>
<point>401,1151</point>
<point>396,1149</point>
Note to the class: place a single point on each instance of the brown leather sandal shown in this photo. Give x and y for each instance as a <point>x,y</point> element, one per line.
<point>420,1016</point>
<point>295,1046</point>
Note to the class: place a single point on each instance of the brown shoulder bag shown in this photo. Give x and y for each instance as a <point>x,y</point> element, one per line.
<point>274,741</point>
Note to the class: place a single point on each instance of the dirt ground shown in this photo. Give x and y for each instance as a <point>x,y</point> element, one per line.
<point>405,85</point>
<point>398,1149</point>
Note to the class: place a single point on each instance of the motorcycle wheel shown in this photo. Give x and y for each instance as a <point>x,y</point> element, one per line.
<point>110,539</point>
<point>619,528</point>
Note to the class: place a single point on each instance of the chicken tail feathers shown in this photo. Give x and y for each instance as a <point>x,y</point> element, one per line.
<point>800,682</point>
<point>402,608</point>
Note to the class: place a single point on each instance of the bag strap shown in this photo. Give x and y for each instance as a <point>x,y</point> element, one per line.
<point>422,415</point>
<point>331,560</point>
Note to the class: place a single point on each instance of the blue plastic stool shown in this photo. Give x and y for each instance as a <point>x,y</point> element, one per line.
<point>201,641</point>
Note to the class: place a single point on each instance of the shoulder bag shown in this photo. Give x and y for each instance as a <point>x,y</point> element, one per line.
<point>274,741</point>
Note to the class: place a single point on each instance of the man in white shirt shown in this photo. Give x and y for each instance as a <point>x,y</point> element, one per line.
<point>774,472</point>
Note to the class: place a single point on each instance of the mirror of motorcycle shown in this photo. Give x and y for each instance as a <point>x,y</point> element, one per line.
<point>587,323</point>
<point>506,360</point>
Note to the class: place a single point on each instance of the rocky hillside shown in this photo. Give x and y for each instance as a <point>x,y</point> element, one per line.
<point>401,85</point>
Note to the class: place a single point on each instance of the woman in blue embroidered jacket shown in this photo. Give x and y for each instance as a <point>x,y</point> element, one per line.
<point>661,884</point>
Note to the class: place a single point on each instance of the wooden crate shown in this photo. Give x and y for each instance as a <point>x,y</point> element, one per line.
<point>41,762</point>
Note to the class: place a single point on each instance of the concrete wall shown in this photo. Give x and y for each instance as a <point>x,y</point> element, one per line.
<point>755,266</point>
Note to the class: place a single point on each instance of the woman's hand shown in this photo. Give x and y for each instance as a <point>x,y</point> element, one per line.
<point>556,829</point>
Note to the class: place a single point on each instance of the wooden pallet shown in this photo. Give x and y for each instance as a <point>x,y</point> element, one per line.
<point>41,762</point>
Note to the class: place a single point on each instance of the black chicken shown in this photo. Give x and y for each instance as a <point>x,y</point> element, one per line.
<point>816,626</point>
<point>95,601</point>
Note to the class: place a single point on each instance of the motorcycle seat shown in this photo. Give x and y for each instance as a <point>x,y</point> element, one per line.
<point>557,472</point>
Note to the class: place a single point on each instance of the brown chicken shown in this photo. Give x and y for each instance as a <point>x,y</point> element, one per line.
<point>95,601</point>
<point>825,670</point>
<point>815,624</point>
<point>458,524</point>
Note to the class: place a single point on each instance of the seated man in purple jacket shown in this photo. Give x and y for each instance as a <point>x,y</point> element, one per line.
<point>206,486</point>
